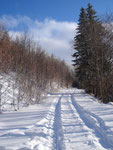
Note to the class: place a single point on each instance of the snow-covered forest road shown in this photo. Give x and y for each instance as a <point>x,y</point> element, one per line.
<point>68,120</point>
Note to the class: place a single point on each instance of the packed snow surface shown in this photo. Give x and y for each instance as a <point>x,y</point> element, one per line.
<point>67,120</point>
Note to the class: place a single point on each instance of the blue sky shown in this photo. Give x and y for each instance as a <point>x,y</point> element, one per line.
<point>60,10</point>
<point>52,23</point>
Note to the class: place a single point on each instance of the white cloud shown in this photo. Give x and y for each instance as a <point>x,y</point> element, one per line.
<point>53,36</point>
<point>12,22</point>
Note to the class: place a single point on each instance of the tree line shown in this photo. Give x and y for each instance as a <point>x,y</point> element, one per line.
<point>34,71</point>
<point>93,56</point>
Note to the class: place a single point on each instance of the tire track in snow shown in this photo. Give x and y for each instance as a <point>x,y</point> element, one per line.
<point>96,124</point>
<point>76,133</point>
<point>57,126</point>
<point>49,134</point>
<point>43,136</point>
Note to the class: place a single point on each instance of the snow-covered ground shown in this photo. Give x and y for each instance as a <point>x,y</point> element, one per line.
<point>67,120</point>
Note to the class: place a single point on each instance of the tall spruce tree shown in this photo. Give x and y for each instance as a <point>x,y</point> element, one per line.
<point>91,54</point>
<point>80,60</point>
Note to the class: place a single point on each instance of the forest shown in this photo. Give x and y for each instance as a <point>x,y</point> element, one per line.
<point>93,56</point>
<point>32,71</point>
<point>29,72</point>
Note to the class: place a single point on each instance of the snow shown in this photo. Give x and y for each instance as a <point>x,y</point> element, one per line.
<point>67,120</point>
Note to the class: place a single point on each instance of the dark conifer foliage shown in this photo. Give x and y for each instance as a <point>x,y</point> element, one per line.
<point>92,57</point>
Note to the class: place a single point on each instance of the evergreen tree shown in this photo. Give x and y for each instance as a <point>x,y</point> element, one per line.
<point>91,57</point>
<point>79,45</point>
